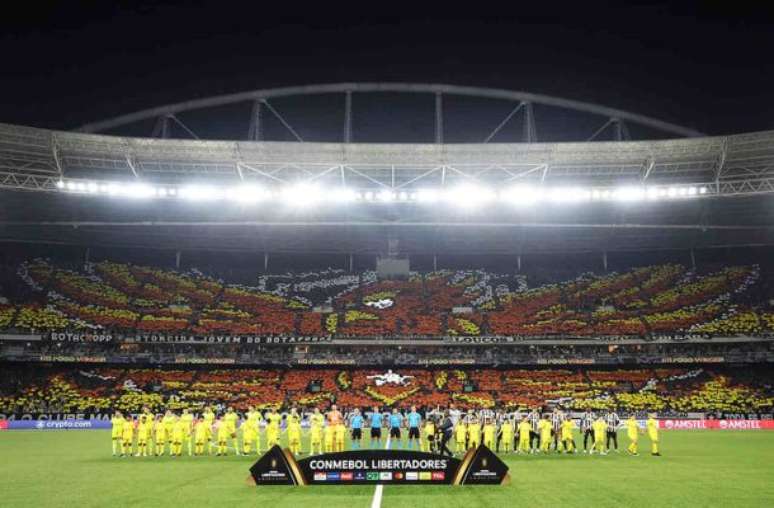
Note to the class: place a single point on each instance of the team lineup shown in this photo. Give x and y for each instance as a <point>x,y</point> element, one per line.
<point>436,431</point>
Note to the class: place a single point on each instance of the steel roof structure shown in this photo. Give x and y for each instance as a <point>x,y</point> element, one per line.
<point>739,166</point>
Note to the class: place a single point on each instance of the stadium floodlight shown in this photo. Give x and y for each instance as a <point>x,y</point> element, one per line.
<point>342,195</point>
<point>691,191</point>
<point>629,194</point>
<point>469,195</point>
<point>403,196</point>
<point>60,184</point>
<point>246,194</point>
<point>571,195</point>
<point>652,193</point>
<point>80,186</point>
<point>92,187</point>
<point>301,195</point>
<point>386,196</point>
<point>428,196</point>
<point>137,191</point>
<point>201,193</point>
<point>521,195</point>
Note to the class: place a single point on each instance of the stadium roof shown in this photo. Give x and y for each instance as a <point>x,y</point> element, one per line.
<point>734,173</point>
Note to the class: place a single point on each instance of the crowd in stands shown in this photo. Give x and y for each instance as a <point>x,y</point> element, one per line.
<point>82,389</point>
<point>118,298</point>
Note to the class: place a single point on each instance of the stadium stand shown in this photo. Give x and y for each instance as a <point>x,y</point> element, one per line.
<point>642,302</point>
<point>668,390</point>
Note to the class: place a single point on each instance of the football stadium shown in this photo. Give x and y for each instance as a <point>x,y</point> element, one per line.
<point>320,312</point>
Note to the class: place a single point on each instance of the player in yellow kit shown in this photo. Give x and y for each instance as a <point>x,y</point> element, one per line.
<point>117,427</point>
<point>633,433</point>
<point>565,431</point>
<point>506,435</point>
<point>544,428</point>
<point>339,436</point>
<point>428,434</point>
<point>524,434</point>
<point>251,431</point>
<point>294,432</point>
<point>600,429</point>
<point>188,419</point>
<point>273,420</point>
<point>232,422</point>
<point>159,436</point>
<point>201,435</point>
<point>178,436</point>
<point>328,437</point>
<point>460,435</point>
<point>127,436</point>
<point>144,430</point>
<point>652,425</point>
<point>316,422</point>
<point>490,431</point>
<point>474,433</point>
<point>223,432</point>
<point>208,415</point>
<point>168,422</point>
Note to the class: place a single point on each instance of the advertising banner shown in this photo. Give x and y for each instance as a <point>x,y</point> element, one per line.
<point>358,467</point>
<point>684,424</point>
<point>57,424</point>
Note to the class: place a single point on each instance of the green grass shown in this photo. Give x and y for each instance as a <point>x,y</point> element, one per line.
<point>698,468</point>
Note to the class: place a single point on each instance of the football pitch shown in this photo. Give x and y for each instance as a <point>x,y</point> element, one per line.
<point>698,468</point>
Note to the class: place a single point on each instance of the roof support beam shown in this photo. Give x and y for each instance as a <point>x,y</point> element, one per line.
<point>348,117</point>
<point>438,118</point>
<point>283,121</point>
<point>504,122</point>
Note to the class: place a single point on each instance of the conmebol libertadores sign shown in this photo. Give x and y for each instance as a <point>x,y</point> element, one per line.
<point>477,466</point>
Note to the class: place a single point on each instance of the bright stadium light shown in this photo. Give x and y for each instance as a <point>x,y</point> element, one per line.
<point>246,194</point>
<point>702,190</point>
<point>691,191</point>
<point>301,194</point>
<point>629,194</point>
<point>137,191</point>
<point>469,196</point>
<point>386,196</point>
<point>569,195</point>
<point>428,196</point>
<point>60,184</point>
<point>201,193</point>
<point>520,195</point>
<point>652,193</point>
<point>343,195</point>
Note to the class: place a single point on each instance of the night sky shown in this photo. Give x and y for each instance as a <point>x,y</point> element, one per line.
<point>710,67</point>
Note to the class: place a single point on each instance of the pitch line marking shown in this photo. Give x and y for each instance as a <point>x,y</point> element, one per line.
<point>376,502</point>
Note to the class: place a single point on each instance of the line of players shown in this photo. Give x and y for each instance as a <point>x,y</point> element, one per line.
<point>503,432</point>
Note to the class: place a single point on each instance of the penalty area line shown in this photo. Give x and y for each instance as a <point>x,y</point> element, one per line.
<point>376,502</point>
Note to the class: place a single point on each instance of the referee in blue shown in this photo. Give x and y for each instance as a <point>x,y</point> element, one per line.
<point>375,417</point>
<point>414,421</point>
<point>396,422</point>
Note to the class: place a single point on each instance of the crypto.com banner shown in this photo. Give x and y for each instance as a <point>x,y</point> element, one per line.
<point>684,424</point>
<point>54,424</point>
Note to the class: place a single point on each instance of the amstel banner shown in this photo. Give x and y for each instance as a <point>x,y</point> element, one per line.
<point>406,467</point>
<point>684,424</point>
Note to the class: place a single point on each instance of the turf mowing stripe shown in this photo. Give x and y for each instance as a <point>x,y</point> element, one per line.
<point>376,502</point>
